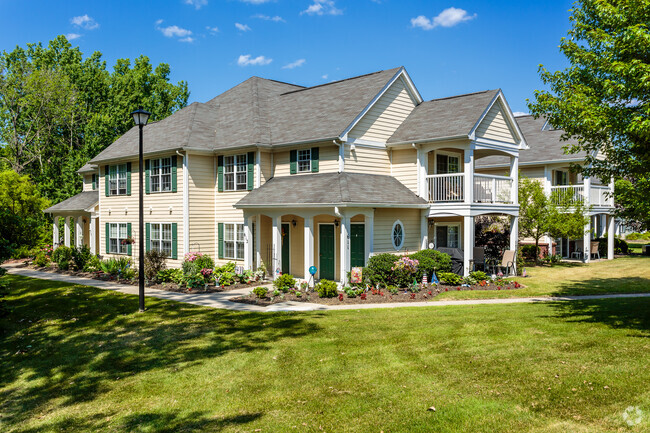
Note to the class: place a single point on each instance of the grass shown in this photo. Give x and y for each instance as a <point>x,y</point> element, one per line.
<point>635,246</point>
<point>623,275</point>
<point>79,359</point>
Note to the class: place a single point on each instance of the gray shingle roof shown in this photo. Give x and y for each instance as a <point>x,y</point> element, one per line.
<point>445,117</point>
<point>78,202</point>
<point>328,189</point>
<point>257,111</point>
<point>87,168</point>
<point>544,145</point>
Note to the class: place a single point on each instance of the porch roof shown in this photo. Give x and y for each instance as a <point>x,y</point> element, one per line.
<point>76,203</point>
<point>332,189</point>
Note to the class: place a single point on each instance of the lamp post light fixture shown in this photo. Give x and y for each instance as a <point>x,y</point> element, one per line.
<point>140,117</point>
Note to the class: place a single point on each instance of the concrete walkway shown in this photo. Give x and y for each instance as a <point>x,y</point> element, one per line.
<point>222,299</point>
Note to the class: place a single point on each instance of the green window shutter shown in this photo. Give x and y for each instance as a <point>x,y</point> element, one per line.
<point>174,171</point>
<point>108,233</point>
<point>129,251</point>
<point>147,173</point>
<point>92,177</point>
<point>293,162</point>
<point>147,240</point>
<point>221,241</point>
<point>174,241</point>
<point>314,159</point>
<point>220,173</point>
<point>128,178</point>
<point>106,178</point>
<point>250,174</point>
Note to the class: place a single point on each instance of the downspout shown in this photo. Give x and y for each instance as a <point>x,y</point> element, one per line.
<point>186,203</point>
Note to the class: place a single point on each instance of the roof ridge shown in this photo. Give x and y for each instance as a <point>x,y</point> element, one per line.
<point>462,95</point>
<point>190,126</point>
<point>337,81</point>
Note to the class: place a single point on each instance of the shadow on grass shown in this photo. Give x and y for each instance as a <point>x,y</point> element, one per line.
<point>70,343</point>
<point>595,286</point>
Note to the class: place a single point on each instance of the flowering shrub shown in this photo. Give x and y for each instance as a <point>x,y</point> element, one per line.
<point>404,271</point>
<point>206,272</point>
<point>284,282</point>
<point>195,262</point>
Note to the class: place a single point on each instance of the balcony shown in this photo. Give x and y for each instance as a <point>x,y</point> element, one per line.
<point>450,188</point>
<point>598,195</point>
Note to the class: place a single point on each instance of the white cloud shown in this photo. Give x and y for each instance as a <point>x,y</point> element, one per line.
<point>188,39</point>
<point>183,35</point>
<point>322,7</point>
<point>212,30</point>
<point>255,2</point>
<point>447,18</point>
<point>72,36</point>
<point>295,64</point>
<point>246,60</point>
<point>198,4</point>
<point>277,19</point>
<point>519,113</point>
<point>324,77</point>
<point>242,27</point>
<point>85,22</point>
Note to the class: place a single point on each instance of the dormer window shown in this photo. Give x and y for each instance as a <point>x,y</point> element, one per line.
<point>304,160</point>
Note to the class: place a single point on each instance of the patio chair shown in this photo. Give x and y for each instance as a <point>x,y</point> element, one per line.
<point>507,263</point>
<point>593,250</point>
<point>479,258</point>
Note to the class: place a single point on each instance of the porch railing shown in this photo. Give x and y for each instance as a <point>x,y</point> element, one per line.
<point>598,195</point>
<point>492,189</point>
<point>568,194</point>
<point>446,187</point>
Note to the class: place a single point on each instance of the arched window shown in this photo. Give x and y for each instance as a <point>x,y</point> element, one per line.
<point>397,235</point>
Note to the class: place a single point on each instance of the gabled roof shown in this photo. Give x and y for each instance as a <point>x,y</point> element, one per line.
<point>332,189</point>
<point>454,116</point>
<point>257,112</point>
<point>87,168</point>
<point>77,203</point>
<point>544,145</point>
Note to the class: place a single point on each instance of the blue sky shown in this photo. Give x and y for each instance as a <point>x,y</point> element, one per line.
<point>448,47</point>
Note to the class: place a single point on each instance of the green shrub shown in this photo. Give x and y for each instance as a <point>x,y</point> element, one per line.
<point>62,256</point>
<point>246,277</point>
<point>226,278</point>
<point>116,267</point>
<point>194,262</point>
<point>3,272</point>
<point>284,282</point>
<point>260,292</point>
<point>154,262</point>
<point>430,261</point>
<point>194,281</point>
<point>478,275</point>
<point>228,267</point>
<point>326,289</point>
<point>620,246</point>
<point>470,280</point>
<point>21,252</point>
<point>93,264</point>
<point>352,292</point>
<point>128,274</point>
<point>41,259</point>
<point>392,290</point>
<point>379,269</point>
<point>81,256</point>
<point>528,252</point>
<point>173,275</point>
<point>638,236</point>
<point>450,278</point>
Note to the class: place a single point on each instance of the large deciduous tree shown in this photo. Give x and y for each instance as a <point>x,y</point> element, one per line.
<point>603,98</point>
<point>59,109</point>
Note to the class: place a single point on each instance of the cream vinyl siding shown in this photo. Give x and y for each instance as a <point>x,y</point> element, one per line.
<point>297,245</point>
<point>328,160</point>
<point>367,160</point>
<point>201,203</point>
<point>159,202</point>
<point>386,115</point>
<point>532,172</point>
<point>383,226</point>
<point>495,127</point>
<point>404,168</point>
<point>266,167</point>
<point>88,182</point>
<point>501,171</point>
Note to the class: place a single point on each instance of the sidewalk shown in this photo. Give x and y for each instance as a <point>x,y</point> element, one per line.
<point>222,300</point>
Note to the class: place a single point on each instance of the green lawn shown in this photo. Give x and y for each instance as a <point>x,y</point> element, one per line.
<point>77,359</point>
<point>623,275</point>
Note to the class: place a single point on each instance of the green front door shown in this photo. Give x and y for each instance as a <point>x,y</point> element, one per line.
<point>357,245</point>
<point>326,251</point>
<point>286,252</point>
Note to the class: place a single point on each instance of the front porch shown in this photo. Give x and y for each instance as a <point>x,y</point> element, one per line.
<point>79,216</point>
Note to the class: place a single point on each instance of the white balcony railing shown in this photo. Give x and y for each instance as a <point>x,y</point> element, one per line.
<point>492,189</point>
<point>567,194</point>
<point>446,187</point>
<point>598,196</point>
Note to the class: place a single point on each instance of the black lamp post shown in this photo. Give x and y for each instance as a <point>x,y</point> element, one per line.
<point>141,117</point>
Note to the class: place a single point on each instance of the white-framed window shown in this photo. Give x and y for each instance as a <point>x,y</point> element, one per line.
<point>447,235</point>
<point>117,233</point>
<point>561,177</point>
<point>397,235</point>
<point>235,172</point>
<point>234,241</point>
<point>160,174</point>
<point>304,160</point>
<point>117,179</point>
<point>160,238</point>
<point>447,163</point>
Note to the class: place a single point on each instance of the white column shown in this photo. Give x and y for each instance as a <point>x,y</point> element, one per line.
<point>424,229</point>
<point>276,265</point>
<point>66,232</point>
<point>369,234</point>
<point>258,241</point>
<point>309,248</point>
<point>469,175</point>
<point>547,180</point>
<point>611,233</point>
<point>514,175</point>
<point>418,161</point>
<point>468,244</point>
<point>586,247</point>
<point>258,168</point>
<point>78,231</point>
<point>341,157</point>
<point>55,232</point>
<point>344,249</point>
<point>248,242</point>
<point>587,190</point>
<point>514,232</point>
<point>92,234</point>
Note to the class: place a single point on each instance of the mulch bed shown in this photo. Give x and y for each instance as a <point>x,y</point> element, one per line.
<point>373,296</point>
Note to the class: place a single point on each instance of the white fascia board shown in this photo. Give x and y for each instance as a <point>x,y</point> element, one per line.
<point>407,81</point>
<point>511,119</point>
<point>532,163</point>
<point>330,205</point>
